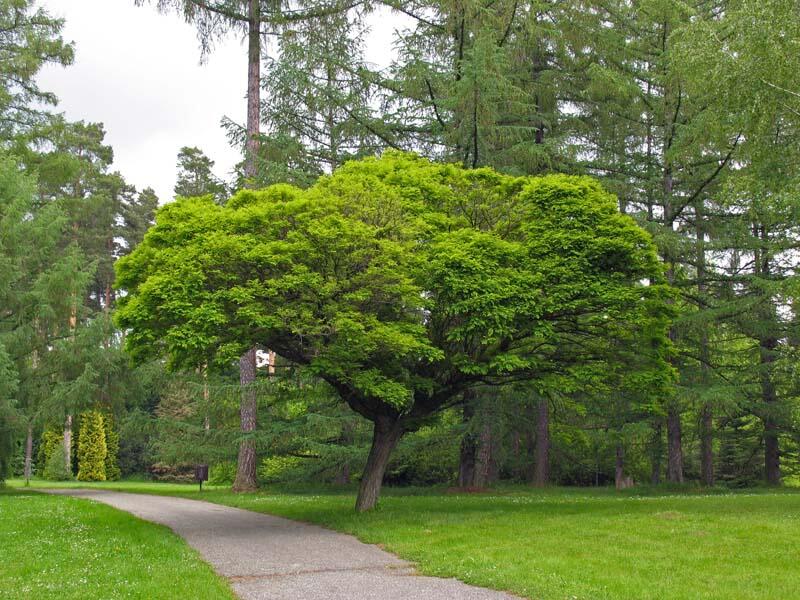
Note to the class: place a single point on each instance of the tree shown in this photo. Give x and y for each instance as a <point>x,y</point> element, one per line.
<point>29,39</point>
<point>92,449</point>
<point>41,272</point>
<point>112,449</point>
<point>399,282</point>
<point>196,177</point>
<point>56,467</point>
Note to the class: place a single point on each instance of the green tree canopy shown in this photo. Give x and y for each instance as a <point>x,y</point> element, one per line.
<point>399,282</point>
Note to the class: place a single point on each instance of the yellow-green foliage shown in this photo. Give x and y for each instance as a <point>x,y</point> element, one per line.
<point>112,450</point>
<point>92,448</point>
<point>51,439</point>
<point>55,469</point>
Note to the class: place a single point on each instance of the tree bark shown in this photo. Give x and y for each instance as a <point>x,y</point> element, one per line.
<point>485,469</point>
<point>674,446</point>
<point>28,454</point>
<point>772,457</point>
<point>619,467</point>
<point>466,463</point>
<point>253,142</point>
<point>385,436</point>
<point>656,453</point>
<point>707,445</point>
<point>246,467</point>
<point>707,411</point>
<point>541,465</point>
<point>68,443</point>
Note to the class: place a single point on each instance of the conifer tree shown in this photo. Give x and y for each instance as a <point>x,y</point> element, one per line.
<point>29,39</point>
<point>92,449</point>
<point>112,449</point>
<point>196,176</point>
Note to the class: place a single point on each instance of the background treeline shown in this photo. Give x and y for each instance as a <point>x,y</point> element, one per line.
<point>687,111</point>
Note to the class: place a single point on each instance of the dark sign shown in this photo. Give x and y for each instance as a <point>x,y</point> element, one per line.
<point>201,473</point>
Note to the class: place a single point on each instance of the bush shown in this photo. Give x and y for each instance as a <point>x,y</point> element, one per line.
<point>55,469</point>
<point>92,450</point>
<point>183,473</point>
<point>222,473</point>
<point>112,450</point>
<point>51,439</point>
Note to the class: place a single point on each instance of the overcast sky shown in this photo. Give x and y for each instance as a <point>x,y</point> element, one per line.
<point>138,72</point>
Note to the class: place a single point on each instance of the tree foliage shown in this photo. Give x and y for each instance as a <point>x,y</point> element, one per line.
<point>398,281</point>
<point>92,449</point>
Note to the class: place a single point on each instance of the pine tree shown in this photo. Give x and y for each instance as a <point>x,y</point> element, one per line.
<point>92,450</point>
<point>196,177</point>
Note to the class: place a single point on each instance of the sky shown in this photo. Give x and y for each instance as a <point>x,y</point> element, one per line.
<point>138,72</point>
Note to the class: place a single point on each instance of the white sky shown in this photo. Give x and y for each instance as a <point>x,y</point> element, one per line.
<point>138,72</point>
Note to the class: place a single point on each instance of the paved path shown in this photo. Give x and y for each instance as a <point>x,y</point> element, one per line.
<point>270,558</point>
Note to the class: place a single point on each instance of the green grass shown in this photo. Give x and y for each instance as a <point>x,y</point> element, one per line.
<point>66,548</point>
<point>568,543</point>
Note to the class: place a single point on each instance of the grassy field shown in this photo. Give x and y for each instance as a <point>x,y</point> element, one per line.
<point>65,548</point>
<point>567,543</point>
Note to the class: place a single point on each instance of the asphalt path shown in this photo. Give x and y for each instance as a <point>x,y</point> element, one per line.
<point>271,558</point>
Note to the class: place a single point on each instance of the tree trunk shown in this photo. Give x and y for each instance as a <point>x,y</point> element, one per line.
<point>253,142</point>
<point>674,446</point>
<point>772,458</point>
<point>343,476</point>
<point>68,443</point>
<point>386,434</point>
<point>541,465</point>
<point>619,468</point>
<point>707,445</point>
<point>28,454</point>
<point>248,409</point>
<point>246,468</point>
<point>657,450</point>
<point>485,469</point>
<point>707,411</point>
<point>466,464</point>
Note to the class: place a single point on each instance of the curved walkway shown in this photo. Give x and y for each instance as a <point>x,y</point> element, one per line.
<point>271,558</point>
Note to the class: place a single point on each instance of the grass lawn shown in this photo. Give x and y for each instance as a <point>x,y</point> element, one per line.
<point>567,543</point>
<point>66,548</point>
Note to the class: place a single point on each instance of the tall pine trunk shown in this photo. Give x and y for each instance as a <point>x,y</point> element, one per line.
<point>541,465</point>
<point>247,463</point>
<point>246,466</point>
<point>707,411</point>
<point>385,436</point>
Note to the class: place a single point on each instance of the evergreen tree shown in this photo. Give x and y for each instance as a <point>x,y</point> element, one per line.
<point>56,468</point>
<point>112,449</point>
<point>29,39</point>
<point>92,450</point>
<point>196,177</point>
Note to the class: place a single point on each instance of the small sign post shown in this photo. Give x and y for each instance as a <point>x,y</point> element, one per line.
<point>201,474</point>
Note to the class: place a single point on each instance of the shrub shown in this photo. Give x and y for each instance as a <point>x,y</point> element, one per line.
<point>222,473</point>
<point>92,450</point>
<point>55,469</point>
<point>112,450</point>
<point>51,439</point>
<point>182,473</point>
